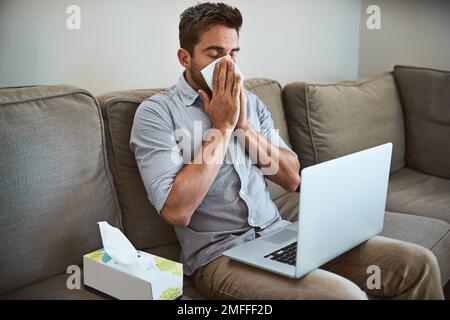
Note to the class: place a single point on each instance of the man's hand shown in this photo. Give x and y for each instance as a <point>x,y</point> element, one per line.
<point>242,121</point>
<point>224,106</point>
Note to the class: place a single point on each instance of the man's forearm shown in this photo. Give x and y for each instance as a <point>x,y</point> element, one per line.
<point>195,179</point>
<point>277,164</point>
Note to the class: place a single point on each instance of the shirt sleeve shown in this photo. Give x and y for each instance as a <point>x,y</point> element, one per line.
<point>158,156</point>
<point>268,130</point>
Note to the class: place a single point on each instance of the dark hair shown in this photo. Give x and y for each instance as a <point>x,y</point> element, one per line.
<point>200,17</point>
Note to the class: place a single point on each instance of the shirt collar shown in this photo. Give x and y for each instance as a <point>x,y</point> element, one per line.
<point>187,94</point>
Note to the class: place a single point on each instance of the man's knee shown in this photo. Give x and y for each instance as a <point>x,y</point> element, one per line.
<point>425,262</point>
<point>417,260</point>
<point>418,270</point>
<point>348,291</point>
<point>328,285</point>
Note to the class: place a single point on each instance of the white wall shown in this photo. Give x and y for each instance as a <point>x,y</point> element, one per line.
<point>414,32</point>
<point>132,44</point>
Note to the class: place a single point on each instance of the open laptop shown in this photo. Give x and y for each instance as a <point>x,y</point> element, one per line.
<point>342,204</point>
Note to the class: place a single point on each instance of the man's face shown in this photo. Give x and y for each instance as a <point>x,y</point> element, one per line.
<point>215,43</point>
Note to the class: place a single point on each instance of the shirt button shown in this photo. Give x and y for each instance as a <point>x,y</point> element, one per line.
<point>242,193</point>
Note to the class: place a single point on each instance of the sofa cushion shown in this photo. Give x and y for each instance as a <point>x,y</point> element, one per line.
<point>326,121</point>
<point>53,288</point>
<point>425,95</point>
<point>54,186</point>
<point>430,233</point>
<point>141,223</point>
<point>418,193</point>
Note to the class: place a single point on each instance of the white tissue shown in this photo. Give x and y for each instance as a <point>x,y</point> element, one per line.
<point>121,251</point>
<point>116,245</point>
<point>208,72</point>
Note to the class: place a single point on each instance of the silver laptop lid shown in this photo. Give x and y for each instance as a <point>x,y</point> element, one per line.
<point>343,202</point>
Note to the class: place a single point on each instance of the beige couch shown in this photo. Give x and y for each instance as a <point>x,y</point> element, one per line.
<point>65,164</point>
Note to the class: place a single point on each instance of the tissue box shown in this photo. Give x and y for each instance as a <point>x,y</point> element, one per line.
<point>160,280</point>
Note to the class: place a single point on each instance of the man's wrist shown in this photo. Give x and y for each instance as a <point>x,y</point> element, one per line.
<point>223,128</point>
<point>244,126</point>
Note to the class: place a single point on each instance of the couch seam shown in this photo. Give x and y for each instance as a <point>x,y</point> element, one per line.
<point>50,97</point>
<point>112,100</point>
<point>263,84</point>
<point>437,242</point>
<point>420,68</point>
<point>352,83</point>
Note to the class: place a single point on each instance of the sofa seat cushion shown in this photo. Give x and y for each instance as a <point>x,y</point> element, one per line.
<point>417,193</point>
<point>326,121</point>
<point>430,233</point>
<point>425,96</point>
<point>55,182</point>
<point>55,288</point>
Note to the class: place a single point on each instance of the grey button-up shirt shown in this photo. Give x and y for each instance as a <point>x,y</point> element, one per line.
<point>238,203</point>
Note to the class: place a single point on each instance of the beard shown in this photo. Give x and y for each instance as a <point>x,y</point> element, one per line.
<point>198,79</point>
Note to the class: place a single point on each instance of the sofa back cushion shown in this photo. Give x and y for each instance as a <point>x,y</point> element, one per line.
<point>425,95</point>
<point>141,223</point>
<point>327,121</point>
<point>55,183</point>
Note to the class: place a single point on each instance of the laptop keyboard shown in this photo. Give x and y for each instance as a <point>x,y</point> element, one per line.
<point>287,254</point>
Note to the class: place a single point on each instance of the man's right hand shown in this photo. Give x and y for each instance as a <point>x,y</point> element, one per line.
<point>223,108</point>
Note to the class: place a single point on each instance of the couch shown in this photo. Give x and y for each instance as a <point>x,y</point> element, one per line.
<point>65,164</point>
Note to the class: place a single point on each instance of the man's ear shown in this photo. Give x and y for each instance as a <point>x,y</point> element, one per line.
<point>184,57</point>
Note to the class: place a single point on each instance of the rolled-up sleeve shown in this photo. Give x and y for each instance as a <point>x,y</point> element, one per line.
<point>158,156</point>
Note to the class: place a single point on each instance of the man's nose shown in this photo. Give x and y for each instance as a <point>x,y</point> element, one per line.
<point>231,57</point>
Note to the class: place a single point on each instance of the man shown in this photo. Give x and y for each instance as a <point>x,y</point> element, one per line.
<point>216,202</point>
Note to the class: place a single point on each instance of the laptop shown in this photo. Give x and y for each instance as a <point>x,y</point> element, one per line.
<point>342,204</point>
